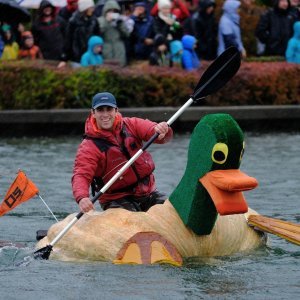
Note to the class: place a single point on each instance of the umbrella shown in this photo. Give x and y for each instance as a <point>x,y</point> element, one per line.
<point>36,3</point>
<point>12,12</point>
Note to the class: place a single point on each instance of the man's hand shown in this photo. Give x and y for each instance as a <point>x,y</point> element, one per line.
<point>136,12</point>
<point>161,128</point>
<point>148,42</point>
<point>85,205</point>
<point>244,54</point>
<point>109,16</point>
<point>61,65</point>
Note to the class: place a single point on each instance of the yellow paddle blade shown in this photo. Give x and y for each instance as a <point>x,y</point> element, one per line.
<point>286,230</point>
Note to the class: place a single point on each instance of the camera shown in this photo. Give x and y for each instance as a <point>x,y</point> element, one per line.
<point>115,16</point>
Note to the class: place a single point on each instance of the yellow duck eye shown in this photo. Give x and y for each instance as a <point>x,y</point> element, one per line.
<point>242,152</point>
<point>219,153</point>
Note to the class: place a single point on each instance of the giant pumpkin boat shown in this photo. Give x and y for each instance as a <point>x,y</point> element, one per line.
<point>206,214</point>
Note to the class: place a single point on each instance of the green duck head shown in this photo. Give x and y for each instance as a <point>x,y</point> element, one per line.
<point>212,183</point>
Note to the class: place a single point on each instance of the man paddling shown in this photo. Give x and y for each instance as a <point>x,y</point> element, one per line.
<point>110,141</point>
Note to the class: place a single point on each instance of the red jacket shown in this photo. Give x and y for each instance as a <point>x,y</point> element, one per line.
<point>91,162</point>
<point>33,53</point>
<point>178,9</point>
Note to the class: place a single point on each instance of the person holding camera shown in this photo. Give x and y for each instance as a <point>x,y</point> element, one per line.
<point>142,37</point>
<point>114,32</point>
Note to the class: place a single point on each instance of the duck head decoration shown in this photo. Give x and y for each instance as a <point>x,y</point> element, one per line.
<point>212,183</point>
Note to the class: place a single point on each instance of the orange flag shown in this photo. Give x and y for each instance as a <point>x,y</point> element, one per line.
<point>21,190</point>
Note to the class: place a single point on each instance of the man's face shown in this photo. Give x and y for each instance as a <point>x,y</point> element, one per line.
<point>283,4</point>
<point>28,42</point>
<point>105,116</point>
<point>139,11</point>
<point>47,11</point>
<point>166,10</point>
<point>89,12</point>
<point>97,49</point>
<point>209,10</point>
<point>74,4</point>
<point>8,34</point>
<point>162,48</point>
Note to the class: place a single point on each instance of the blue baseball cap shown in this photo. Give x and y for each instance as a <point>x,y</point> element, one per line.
<point>140,3</point>
<point>104,99</point>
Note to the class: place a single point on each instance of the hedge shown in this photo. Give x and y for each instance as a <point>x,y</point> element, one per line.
<point>40,85</point>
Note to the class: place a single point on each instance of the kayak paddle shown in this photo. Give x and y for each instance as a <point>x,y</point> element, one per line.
<point>286,230</point>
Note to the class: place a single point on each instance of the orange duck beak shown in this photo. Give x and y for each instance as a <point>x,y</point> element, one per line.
<point>225,189</point>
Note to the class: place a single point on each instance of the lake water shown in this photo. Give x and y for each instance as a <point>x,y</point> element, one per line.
<point>271,272</point>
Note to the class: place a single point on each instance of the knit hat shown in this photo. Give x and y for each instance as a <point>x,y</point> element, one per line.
<point>177,13</point>
<point>6,27</point>
<point>140,3</point>
<point>85,4</point>
<point>163,3</point>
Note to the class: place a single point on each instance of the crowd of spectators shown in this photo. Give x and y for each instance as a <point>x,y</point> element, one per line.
<point>162,32</point>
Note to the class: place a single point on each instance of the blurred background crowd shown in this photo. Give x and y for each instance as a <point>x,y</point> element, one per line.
<point>164,32</point>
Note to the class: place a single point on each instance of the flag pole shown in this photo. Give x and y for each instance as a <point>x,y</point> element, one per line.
<point>47,206</point>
